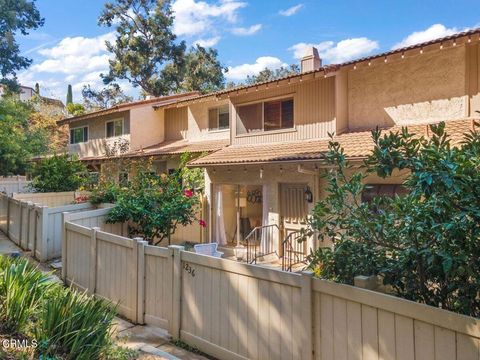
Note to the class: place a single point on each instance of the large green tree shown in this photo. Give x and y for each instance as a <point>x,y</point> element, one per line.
<point>268,74</point>
<point>202,71</point>
<point>148,55</point>
<point>102,99</point>
<point>145,51</point>
<point>19,140</point>
<point>16,17</point>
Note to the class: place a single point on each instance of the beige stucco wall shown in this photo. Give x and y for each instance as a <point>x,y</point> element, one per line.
<point>417,89</point>
<point>95,146</point>
<point>147,127</point>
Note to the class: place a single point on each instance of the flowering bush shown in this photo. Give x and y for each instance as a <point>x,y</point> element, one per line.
<point>154,206</point>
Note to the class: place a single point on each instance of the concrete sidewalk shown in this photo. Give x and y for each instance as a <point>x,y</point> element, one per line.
<point>7,246</point>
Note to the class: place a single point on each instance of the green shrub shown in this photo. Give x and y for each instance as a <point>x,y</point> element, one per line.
<point>74,326</point>
<point>58,173</point>
<point>155,206</point>
<point>425,244</point>
<point>22,287</point>
<point>104,192</point>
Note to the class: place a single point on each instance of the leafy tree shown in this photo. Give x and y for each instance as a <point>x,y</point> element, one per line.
<point>19,141</point>
<point>102,99</point>
<point>75,109</point>
<point>203,71</point>
<point>37,89</point>
<point>154,206</point>
<point>424,244</point>
<point>268,74</point>
<point>69,95</point>
<point>16,17</point>
<point>58,173</point>
<point>145,51</point>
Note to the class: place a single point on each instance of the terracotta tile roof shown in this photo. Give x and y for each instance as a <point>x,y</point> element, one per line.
<point>155,102</point>
<point>172,147</point>
<point>334,67</point>
<point>356,144</point>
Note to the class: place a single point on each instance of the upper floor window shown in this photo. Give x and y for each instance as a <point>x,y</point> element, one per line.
<point>218,118</point>
<point>79,135</point>
<point>114,128</point>
<point>265,116</point>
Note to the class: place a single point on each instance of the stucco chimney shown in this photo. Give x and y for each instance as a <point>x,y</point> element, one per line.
<point>311,60</point>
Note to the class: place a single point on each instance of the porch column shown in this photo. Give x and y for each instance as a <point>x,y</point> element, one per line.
<point>273,198</point>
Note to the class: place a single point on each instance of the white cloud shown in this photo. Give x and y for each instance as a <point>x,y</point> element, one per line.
<point>291,10</point>
<point>208,42</point>
<point>342,51</point>
<point>73,60</point>
<point>433,32</point>
<point>196,17</point>
<point>240,72</point>
<point>241,31</point>
<point>78,46</point>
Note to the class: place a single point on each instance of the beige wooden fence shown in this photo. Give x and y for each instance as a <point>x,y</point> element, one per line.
<point>36,227</point>
<point>13,184</point>
<point>239,311</point>
<point>51,199</point>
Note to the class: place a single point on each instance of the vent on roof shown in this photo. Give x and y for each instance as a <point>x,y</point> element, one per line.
<point>311,60</point>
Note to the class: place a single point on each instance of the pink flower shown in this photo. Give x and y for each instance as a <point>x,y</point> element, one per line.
<point>202,223</point>
<point>188,193</point>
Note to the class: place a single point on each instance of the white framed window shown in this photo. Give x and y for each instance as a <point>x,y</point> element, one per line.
<point>79,135</point>
<point>114,128</point>
<point>218,118</point>
<point>265,116</point>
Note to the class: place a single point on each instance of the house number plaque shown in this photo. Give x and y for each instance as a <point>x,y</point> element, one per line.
<point>189,269</point>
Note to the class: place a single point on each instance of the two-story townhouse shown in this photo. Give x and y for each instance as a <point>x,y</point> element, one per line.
<point>136,126</point>
<point>150,129</point>
<point>268,178</point>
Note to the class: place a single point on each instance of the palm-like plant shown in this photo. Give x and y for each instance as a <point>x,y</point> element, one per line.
<point>22,287</point>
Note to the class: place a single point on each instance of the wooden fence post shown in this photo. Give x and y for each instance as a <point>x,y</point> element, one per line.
<point>93,261</point>
<point>176,252</point>
<point>65,219</point>
<point>140,243</point>
<point>8,216</point>
<point>306,309</point>
<point>29,224</point>
<point>43,248</point>
<point>20,205</point>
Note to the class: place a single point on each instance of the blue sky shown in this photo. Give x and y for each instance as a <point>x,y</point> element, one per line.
<point>249,34</point>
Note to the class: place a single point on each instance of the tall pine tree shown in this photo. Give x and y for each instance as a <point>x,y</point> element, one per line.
<point>69,95</point>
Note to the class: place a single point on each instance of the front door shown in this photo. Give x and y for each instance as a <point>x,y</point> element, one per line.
<point>293,212</point>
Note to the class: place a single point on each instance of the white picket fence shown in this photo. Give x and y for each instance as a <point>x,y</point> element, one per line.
<point>234,310</point>
<point>14,184</point>
<point>34,226</point>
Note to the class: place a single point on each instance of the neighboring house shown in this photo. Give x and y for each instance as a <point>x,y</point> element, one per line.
<point>268,178</point>
<point>55,106</point>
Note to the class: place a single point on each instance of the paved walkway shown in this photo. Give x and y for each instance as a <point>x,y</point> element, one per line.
<point>151,342</point>
<point>6,246</point>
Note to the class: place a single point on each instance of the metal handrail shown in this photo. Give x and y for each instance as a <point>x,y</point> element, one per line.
<point>290,252</point>
<point>252,258</point>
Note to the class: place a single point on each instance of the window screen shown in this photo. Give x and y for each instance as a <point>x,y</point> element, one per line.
<point>115,128</point>
<point>78,135</point>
